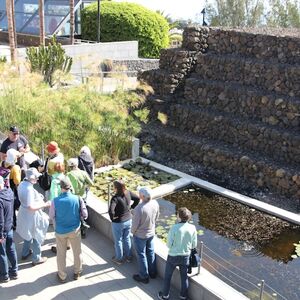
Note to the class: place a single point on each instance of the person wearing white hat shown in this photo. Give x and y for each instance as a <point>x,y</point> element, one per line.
<point>80,179</point>
<point>32,222</point>
<point>143,230</point>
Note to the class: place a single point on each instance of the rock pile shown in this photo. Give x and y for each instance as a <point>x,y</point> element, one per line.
<point>240,107</point>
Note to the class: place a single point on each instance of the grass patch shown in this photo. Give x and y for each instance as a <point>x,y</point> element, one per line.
<point>73,116</point>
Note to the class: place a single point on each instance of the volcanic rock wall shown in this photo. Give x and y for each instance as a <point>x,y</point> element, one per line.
<point>232,103</point>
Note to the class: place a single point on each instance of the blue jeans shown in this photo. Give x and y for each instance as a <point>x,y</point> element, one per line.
<point>146,256</point>
<point>36,249</point>
<point>121,233</point>
<point>172,263</point>
<point>8,253</point>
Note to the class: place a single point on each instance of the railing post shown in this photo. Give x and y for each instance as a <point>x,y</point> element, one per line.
<point>135,148</point>
<point>201,256</point>
<point>262,285</point>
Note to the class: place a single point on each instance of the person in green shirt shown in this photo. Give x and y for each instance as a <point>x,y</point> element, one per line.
<point>182,238</point>
<point>80,179</point>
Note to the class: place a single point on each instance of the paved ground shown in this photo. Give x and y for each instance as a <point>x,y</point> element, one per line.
<point>101,278</point>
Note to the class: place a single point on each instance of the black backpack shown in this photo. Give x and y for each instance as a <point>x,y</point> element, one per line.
<point>45,179</point>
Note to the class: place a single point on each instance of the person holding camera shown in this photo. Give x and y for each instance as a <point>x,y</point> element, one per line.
<point>66,210</point>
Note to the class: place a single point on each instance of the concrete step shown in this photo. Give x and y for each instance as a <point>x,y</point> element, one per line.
<point>278,77</point>
<point>244,101</point>
<point>258,169</point>
<point>271,141</point>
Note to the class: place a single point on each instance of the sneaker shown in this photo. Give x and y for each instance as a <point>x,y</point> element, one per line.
<point>26,256</point>
<point>60,279</point>
<point>41,261</point>
<point>4,280</point>
<point>117,261</point>
<point>129,259</point>
<point>183,298</point>
<point>162,297</point>
<point>77,275</point>
<point>138,278</point>
<point>13,276</point>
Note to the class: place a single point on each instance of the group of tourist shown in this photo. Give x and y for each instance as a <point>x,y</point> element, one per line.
<point>130,214</point>
<point>137,215</point>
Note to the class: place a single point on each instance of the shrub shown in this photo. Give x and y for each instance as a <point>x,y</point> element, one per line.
<point>121,21</point>
<point>73,116</point>
<point>46,60</point>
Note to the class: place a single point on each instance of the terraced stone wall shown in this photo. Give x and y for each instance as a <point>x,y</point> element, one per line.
<point>232,101</point>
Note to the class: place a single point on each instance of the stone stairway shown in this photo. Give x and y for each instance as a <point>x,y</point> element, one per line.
<point>235,108</point>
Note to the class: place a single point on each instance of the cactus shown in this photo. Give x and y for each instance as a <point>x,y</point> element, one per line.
<point>3,59</point>
<point>47,60</point>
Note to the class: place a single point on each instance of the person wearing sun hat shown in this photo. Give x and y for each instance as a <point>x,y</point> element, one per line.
<point>32,222</point>
<point>55,156</point>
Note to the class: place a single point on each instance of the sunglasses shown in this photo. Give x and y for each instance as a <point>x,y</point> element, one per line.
<point>16,133</point>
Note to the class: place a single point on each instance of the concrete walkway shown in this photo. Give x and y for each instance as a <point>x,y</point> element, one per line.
<point>101,278</point>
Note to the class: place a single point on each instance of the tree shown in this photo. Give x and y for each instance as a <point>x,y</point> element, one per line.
<point>72,18</point>
<point>11,29</point>
<point>284,13</point>
<point>42,22</point>
<point>236,13</point>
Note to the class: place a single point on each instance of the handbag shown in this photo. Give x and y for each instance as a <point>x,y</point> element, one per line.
<point>45,179</point>
<point>194,258</point>
<point>83,224</point>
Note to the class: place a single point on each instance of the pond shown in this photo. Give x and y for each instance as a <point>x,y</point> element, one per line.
<point>134,174</point>
<point>242,246</point>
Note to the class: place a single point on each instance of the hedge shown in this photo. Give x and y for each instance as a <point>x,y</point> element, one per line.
<point>126,22</point>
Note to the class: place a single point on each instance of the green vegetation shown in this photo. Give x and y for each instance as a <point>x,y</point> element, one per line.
<point>251,13</point>
<point>47,60</point>
<point>127,22</point>
<point>134,174</point>
<point>73,117</point>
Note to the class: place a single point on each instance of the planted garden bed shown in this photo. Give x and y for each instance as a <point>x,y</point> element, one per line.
<point>134,174</point>
<point>263,246</point>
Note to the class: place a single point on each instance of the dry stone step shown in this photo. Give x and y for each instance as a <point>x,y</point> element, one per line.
<point>259,170</point>
<point>279,78</point>
<point>277,143</point>
<point>244,101</point>
<point>271,46</point>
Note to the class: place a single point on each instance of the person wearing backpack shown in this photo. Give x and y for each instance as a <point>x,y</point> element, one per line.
<point>55,156</point>
<point>80,179</point>
<point>182,238</point>
<point>86,162</point>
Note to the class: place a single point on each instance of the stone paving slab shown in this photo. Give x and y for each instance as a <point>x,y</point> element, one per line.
<point>101,278</point>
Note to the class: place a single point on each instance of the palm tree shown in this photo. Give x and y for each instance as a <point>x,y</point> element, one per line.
<point>14,21</point>
<point>42,22</point>
<point>72,18</point>
<point>11,29</point>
